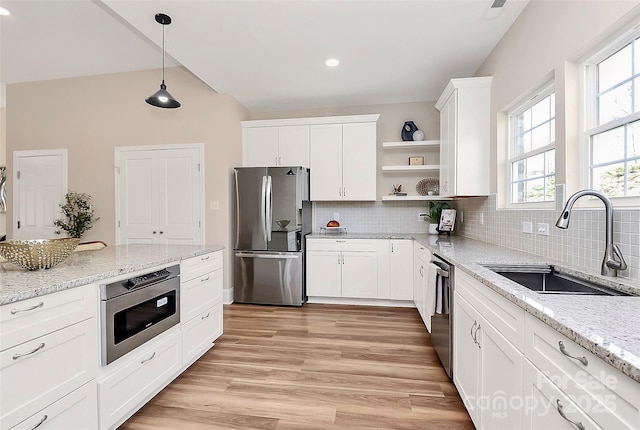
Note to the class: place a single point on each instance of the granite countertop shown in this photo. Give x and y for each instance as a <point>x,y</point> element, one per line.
<point>86,267</point>
<point>607,326</point>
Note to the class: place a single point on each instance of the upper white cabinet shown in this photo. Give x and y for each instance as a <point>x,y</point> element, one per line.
<point>343,161</point>
<point>275,145</point>
<point>464,137</point>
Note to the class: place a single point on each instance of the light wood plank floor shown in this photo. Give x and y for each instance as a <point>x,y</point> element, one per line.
<point>315,367</point>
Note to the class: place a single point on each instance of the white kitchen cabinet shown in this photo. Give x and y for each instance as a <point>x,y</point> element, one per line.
<point>343,161</point>
<point>159,196</point>
<point>603,395</point>
<point>58,332</point>
<point>201,304</point>
<point>342,268</point>
<point>77,410</point>
<point>401,269</point>
<point>464,137</point>
<point>275,145</point>
<point>138,376</point>
<point>487,367</point>
<point>422,257</point>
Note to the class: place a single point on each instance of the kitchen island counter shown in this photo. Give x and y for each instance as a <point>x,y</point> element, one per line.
<point>86,267</point>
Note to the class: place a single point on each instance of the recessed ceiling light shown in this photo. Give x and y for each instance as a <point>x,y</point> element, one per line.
<point>332,62</point>
<point>4,12</point>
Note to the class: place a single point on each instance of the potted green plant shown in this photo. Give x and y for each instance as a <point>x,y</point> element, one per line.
<point>77,214</point>
<point>435,210</point>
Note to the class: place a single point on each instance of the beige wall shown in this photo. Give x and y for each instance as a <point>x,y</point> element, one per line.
<point>545,42</point>
<point>91,116</point>
<point>392,117</point>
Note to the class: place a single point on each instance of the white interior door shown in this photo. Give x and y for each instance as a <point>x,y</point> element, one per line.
<point>40,183</point>
<point>159,195</point>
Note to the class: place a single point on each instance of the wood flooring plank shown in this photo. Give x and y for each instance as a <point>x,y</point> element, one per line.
<point>319,367</point>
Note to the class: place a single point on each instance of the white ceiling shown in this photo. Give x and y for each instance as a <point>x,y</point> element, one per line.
<point>269,55</point>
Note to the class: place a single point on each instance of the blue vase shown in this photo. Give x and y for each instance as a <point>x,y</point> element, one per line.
<point>407,131</point>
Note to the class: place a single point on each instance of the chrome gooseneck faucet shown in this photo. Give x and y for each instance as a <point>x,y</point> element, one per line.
<point>613,260</point>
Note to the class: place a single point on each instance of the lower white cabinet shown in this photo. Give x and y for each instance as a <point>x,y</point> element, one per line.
<point>200,332</point>
<point>401,269</point>
<point>139,375</point>
<point>77,410</point>
<point>421,260</point>
<point>487,368</point>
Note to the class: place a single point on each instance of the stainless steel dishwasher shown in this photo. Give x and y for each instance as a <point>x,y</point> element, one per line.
<point>441,321</point>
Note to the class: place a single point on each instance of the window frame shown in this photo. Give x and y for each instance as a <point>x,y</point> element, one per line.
<point>589,117</point>
<point>534,97</point>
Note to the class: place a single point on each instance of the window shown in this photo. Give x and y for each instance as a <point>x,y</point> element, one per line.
<point>532,149</point>
<point>613,129</point>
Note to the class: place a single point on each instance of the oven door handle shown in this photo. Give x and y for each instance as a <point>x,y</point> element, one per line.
<point>271,256</point>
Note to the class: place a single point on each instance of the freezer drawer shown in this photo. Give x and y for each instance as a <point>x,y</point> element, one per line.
<point>269,278</point>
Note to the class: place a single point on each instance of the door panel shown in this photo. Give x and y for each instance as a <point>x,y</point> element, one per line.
<point>293,148</point>
<point>324,277</point>
<point>250,233</point>
<point>359,274</point>
<point>359,161</point>
<point>326,161</point>
<point>261,146</point>
<point>38,193</point>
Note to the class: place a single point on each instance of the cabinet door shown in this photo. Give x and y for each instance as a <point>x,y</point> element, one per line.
<point>260,146</point>
<point>293,145</point>
<point>447,146</point>
<point>465,356</point>
<point>359,275</point>
<point>323,274</point>
<point>325,160</point>
<point>359,161</point>
<point>199,334</point>
<point>179,197</point>
<point>401,266</point>
<point>500,379</point>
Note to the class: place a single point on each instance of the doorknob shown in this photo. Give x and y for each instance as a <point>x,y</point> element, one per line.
<point>161,232</point>
<point>154,232</point>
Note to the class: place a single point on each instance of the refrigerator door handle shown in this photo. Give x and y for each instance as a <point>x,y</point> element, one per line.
<point>263,208</point>
<point>269,220</point>
<point>269,256</point>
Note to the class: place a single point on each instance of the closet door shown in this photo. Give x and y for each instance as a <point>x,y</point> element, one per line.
<point>159,196</point>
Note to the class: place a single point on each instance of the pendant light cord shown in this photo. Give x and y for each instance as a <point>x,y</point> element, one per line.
<point>163,53</point>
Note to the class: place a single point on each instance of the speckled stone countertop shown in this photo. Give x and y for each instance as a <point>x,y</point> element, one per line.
<point>607,326</point>
<point>86,267</point>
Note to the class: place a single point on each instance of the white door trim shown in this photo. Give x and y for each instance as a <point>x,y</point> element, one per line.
<point>122,149</point>
<point>16,189</point>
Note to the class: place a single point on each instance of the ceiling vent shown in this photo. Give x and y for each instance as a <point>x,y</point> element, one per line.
<point>498,3</point>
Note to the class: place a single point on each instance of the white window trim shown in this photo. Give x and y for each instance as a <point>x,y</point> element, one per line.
<point>589,112</point>
<point>541,92</point>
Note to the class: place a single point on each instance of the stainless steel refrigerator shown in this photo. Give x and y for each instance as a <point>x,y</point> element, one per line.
<point>268,257</point>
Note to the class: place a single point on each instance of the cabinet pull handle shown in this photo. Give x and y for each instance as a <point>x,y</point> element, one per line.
<point>344,191</point>
<point>475,336</point>
<point>204,279</point>
<point>472,336</point>
<point>148,359</point>
<point>205,258</point>
<point>342,258</point>
<point>340,191</point>
<point>15,311</point>
<point>338,258</point>
<point>42,420</point>
<point>560,408</point>
<point>206,316</point>
<point>563,349</point>
<point>421,274</point>
<point>33,351</point>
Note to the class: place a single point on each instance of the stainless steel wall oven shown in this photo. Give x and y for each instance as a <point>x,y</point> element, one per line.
<point>135,310</point>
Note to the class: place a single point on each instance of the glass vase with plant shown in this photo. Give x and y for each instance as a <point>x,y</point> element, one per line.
<point>77,214</point>
<point>435,211</point>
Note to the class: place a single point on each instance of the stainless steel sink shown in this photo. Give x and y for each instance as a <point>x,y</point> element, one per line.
<point>546,280</point>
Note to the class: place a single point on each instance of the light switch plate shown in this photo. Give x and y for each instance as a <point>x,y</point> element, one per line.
<point>527,227</point>
<point>543,228</point>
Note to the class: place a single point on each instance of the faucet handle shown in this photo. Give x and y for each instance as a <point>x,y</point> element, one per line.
<point>620,264</point>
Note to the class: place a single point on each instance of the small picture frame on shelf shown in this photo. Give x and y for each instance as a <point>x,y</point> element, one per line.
<point>416,161</point>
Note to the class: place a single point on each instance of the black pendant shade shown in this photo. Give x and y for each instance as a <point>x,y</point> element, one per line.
<point>162,98</point>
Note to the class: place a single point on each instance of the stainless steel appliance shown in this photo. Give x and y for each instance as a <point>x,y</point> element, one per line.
<point>441,321</point>
<point>269,251</point>
<point>135,310</point>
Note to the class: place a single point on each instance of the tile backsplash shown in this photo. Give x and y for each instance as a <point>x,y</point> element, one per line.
<point>581,245</point>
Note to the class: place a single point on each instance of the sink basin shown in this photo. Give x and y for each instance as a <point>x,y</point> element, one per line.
<point>544,279</point>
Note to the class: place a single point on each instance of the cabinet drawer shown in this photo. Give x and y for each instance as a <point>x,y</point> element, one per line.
<point>36,373</point>
<point>506,317</point>
<point>199,334</point>
<point>198,266</point>
<point>145,373</point>
<point>199,294</point>
<point>612,397</point>
<point>341,245</point>
<point>28,319</point>
<point>75,411</point>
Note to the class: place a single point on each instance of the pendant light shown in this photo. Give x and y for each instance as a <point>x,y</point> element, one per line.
<point>162,98</point>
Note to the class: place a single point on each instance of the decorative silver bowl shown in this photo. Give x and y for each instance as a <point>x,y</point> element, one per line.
<point>283,223</point>
<point>34,254</point>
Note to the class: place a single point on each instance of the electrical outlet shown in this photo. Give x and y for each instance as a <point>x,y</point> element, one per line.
<point>543,228</point>
<point>461,216</point>
<point>481,218</point>
<point>527,227</point>
<point>422,216</point>
<point>336,216</point>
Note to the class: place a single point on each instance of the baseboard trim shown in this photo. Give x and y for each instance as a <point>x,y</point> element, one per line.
<point>227,296</point>
<point>362,302</point>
